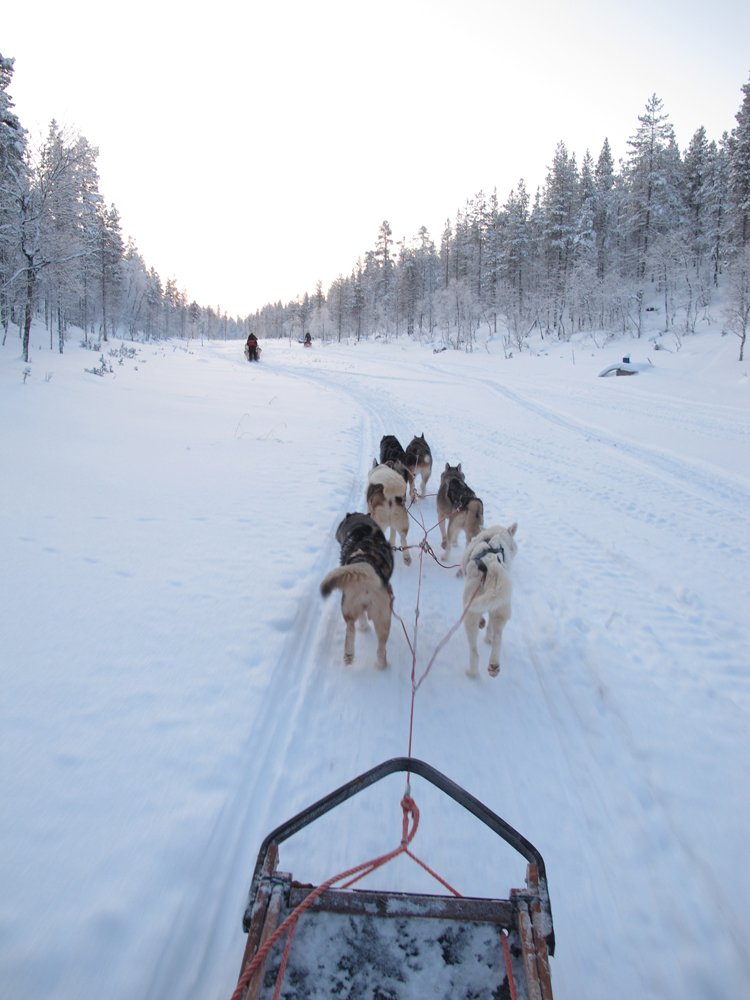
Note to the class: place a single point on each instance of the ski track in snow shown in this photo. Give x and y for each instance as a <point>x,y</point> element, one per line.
<point>615,737</point>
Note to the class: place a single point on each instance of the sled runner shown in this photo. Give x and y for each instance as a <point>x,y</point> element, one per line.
<point>396,945</point>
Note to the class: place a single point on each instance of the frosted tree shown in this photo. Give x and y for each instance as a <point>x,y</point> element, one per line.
<point>560,212</point>
<point>134,289</point>
<point>12,150</point>
<point>737,310</point>
<point>695,168</point>
<point>428,281</point>
<point>716,203</point>
<point>652,173</point>
<point>48,170</point>
<point>738,149</point>
<point>154,306</point>
<point>513,225</point>
<point>109,255</point>
<point>319,305</point>
<point>605,211</point>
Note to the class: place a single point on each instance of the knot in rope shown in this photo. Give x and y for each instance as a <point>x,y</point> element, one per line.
<point>409,807</point>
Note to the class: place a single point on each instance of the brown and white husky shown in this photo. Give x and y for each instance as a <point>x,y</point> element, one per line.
<point>386,502</point>
<point>363,579</point>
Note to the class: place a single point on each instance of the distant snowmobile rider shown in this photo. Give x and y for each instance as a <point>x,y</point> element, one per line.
<point>252,347</point>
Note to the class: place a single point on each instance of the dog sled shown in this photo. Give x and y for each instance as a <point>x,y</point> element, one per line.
<point>258,352</point>
<point>314,942</point>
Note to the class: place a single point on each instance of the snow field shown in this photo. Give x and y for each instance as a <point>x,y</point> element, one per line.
<point>174,684</point>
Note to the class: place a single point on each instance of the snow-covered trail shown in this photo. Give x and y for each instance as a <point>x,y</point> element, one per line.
<point>177,686</point>
<point>610,738</point>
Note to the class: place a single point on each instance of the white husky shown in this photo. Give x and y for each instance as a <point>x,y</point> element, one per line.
<point>485,565</point>
<point>386,502</point>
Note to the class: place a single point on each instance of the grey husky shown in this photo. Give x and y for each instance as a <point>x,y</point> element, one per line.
<point>459,505</point>
<point>363,579</point>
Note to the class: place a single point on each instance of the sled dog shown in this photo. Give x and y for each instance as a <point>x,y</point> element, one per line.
<point>459,506</point>
<point>386,502</point>
<point>486,561</point>
<point>418,460</point>
<point>391,453</point>
<point>363,579</point>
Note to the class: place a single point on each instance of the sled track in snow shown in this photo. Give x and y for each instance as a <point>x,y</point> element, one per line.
<point>229,858</point>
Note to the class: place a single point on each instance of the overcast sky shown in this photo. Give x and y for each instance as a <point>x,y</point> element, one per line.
<point>252,149</point>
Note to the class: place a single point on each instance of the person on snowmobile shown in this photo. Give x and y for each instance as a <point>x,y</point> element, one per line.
<point>251,349</point>
<point>308,340</point>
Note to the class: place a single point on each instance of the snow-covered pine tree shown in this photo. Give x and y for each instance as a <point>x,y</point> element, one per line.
<point>738,150</point>
<point>12,150</point>
<point>560,210</point>
<point>715,205</point>
<point>605,212</point>
<point>48,170</point>
<point>651,178</point>
<point>695,166</point>
<point>446,253</point>
<point>109,254</point>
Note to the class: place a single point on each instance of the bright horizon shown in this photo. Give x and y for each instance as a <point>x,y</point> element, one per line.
<point>252,154</point>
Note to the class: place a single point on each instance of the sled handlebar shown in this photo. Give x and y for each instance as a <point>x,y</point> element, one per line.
<point>371,777</point>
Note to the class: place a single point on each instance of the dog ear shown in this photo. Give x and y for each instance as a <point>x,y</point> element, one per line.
<point>512,528</point>
<point>447,466</point>
<point>459,466</point>
<point>375,463</point>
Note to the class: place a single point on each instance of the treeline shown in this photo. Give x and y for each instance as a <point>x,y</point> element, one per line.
<point>62,252</point>
<point>596,246</point>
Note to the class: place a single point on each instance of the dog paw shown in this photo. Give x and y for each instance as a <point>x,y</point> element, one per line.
<point>381,664</point>
<point>407,559</point>
<point>482,621</point>
<point>459,574</point>
<point>348,657</point>
<point>493,669</point>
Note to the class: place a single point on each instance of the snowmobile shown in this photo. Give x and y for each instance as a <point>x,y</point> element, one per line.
<point>395,945</point>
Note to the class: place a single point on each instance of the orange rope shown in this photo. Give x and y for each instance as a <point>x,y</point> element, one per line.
<point>511,981</point>
<point>410,808</point>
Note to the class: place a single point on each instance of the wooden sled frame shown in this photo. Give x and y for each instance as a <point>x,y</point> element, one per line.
<point>526,914</point>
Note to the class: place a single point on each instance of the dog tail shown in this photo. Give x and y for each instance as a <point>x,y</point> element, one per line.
<point>475,519</point>
<point>375,496</point>
<point>338,578</point>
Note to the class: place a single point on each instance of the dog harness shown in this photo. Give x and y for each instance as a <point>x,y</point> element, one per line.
<point>488,550</point>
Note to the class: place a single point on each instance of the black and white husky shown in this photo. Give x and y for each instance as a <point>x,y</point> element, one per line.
<point>363,579</point>
<point>418,460</point>
<point>392,454</point>
<point>485,566</point>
